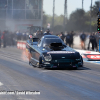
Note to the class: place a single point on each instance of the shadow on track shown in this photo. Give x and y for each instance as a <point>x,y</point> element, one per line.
<point>80,68</point>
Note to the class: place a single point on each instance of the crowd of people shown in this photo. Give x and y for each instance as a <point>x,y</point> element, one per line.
<point>69,38</point>
<point>21,35</point>
<point>9,38</point>
<point>93,40</point>
<point>40,33</point>
<point>6,38</point>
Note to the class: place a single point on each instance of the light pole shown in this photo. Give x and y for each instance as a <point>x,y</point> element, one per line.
<point>53,15</point>
<point>6,16</point>
<point>90,16</point>
<point>82,3</point>
<point>42,20</point>
<point>65,14</point>
<point>99,36</point>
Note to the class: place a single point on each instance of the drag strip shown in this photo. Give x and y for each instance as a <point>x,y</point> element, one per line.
<point>53,84</point>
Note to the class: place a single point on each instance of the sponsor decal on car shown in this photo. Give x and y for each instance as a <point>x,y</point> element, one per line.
<point>95,57</point>
<point>59,52</point>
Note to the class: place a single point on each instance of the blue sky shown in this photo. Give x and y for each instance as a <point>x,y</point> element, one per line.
<point>72,6</point>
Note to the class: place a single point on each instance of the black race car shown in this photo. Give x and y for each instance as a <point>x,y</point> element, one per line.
<point>51,52</point>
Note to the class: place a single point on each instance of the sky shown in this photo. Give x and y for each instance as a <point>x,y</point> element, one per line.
<point>72,5</point>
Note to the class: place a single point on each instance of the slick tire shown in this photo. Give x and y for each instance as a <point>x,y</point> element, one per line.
<point>30,63</point>
<point>82,62</point>
<point>40,62</point>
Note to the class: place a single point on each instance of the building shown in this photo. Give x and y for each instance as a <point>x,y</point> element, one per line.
<point>20,14</point>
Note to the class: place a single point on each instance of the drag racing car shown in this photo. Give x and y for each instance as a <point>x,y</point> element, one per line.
<point>51,52</point>
<point>89,55</point>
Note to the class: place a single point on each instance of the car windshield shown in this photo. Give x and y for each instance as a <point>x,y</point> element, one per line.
<point>48,41</point>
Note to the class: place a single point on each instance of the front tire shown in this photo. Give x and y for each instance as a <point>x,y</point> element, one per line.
<point>40,62</point>
<point>82,62</point>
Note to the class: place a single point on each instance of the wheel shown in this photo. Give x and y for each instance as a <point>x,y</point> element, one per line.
<point>81,62</point>
<point>30,63</point>
<point>40,62</point>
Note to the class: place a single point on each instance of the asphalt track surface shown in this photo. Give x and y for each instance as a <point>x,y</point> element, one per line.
<point>59,84</point>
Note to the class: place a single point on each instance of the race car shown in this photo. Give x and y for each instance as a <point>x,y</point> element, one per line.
<point>89,55</point>
<point>51,52</point>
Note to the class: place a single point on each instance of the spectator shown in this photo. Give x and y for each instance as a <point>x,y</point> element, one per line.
<point>95,42</point>
<point>8,39</point>
<point>24,36</point>
<point>12,38</point>
<point>38,34</point>
<point>4,37</point>
<point>19,35</point>
<point>62,36</point>
<point>27,35</point>
<point>97,35</point>
<point>41,32</point>
<point>71,38</point>
<point>91,40</point>
<point>68,39</point>
<point>47,32</point>
<point>83,39</point>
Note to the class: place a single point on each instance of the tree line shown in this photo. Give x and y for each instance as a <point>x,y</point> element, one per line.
<point>79,20</point>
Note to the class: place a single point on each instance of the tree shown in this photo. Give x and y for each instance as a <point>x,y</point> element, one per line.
<point>58,22</point>
<point>46,19</point>
<point>76,21</point>
<point>95,9</point>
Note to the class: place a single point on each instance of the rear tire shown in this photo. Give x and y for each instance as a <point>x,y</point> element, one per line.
<point>40,62</point>
<point>82,62</point>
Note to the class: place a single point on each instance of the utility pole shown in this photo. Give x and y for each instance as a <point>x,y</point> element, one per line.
<point>99,6</point>
<point>65,14</point>
<point>82,3</point>
<point>99,36</point>
<point>6,17</point>
<point>53,15</point>
<point>90,16</point>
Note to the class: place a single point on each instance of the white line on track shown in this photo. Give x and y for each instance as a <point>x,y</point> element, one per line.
<point>45,71</point>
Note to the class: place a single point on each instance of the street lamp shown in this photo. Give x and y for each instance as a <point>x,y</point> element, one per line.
<point>82,3</point>
<point>90,16</point>
<point>5,15</point>
<point>53,15</point>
